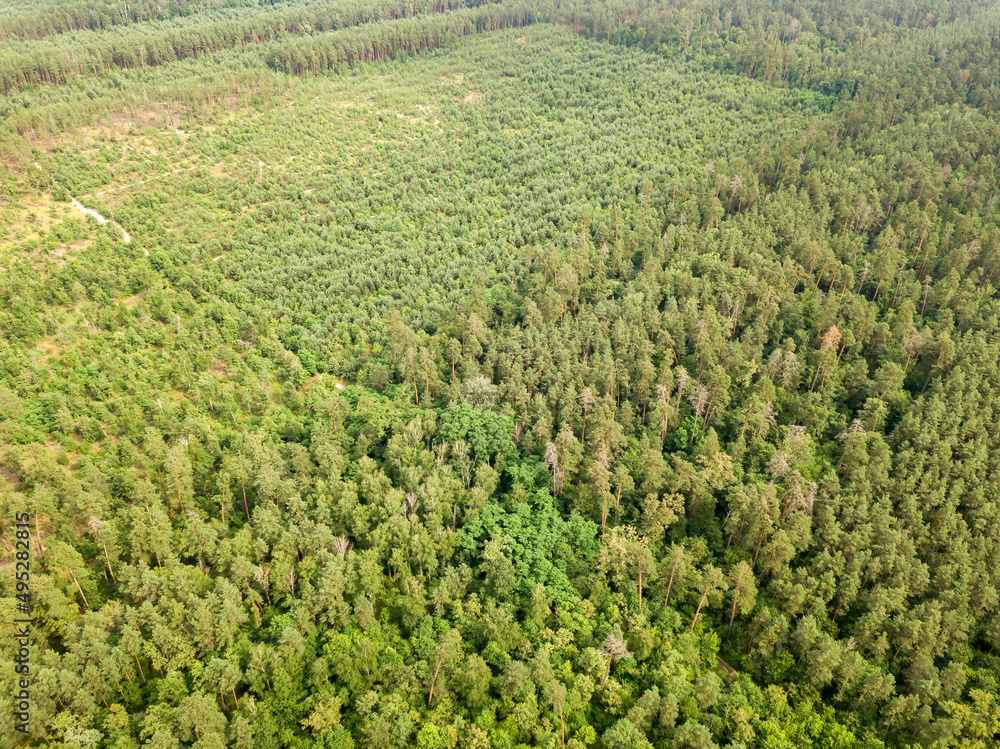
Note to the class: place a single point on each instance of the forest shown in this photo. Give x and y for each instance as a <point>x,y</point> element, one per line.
<point>603,374</point>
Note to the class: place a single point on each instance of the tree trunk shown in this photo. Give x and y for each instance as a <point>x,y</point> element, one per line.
<point>109,560</point>
<point>38,534</point>
<point>640,585</point>
<point>79,588</point>
<point>759,542</point>
<point>607,672</point>
<point>670,584</point>
<point>697,612</point>
<point>430,697</point>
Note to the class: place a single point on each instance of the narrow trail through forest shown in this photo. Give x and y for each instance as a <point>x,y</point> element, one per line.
<point>126,236</point>
<point>91,212</point>
<point>101,220</point>
<point>158,176</point>
<point>260,164</point>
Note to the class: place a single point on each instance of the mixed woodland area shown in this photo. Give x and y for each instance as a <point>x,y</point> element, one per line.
<point>517,373</point>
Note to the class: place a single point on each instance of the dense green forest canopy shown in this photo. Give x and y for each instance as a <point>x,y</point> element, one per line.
<point>502,374</point>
